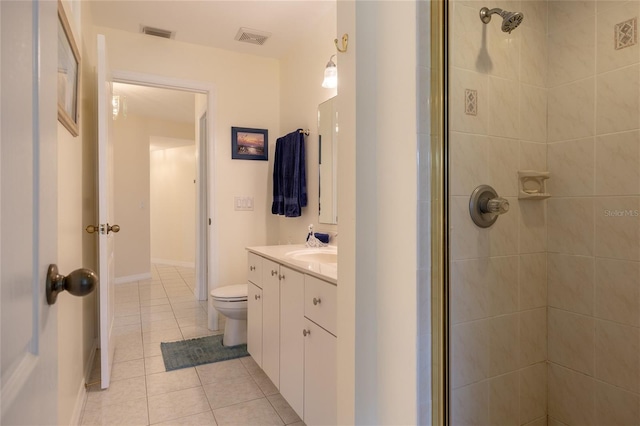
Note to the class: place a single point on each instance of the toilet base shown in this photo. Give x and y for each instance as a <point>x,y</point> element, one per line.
<point>235,332</point>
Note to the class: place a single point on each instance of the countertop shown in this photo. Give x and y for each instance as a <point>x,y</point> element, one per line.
<point>324,271</point>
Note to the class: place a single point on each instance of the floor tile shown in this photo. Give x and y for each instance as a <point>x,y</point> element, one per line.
<point>250,364</point>
<point>156,316</point>
<point>192,303</point>
<point>171,381</point>
<point>221,371</point>
<point>284,410</point>
<point>154,364</point>
<point>152,349</point>
<point>118,392</point>
<point>168,324</point>
<point>266,385</point>
<point>161,336</point>
<point>205,418</point>
<point>230,392</point>
<point>154,302</point>
<point>165,307</point>
<point>132,412</point>
<point>127,369</point>
<point>128,320</point>
<point>128,352</point>
<point>191,332</point>
<point>174,405</point>
<point>258,412</point>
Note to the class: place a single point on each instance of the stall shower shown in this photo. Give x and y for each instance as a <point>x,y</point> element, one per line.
<point>544,305</point>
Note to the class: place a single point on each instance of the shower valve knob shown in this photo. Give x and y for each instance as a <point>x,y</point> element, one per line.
<point>496,205</point>
<point>485,205</point>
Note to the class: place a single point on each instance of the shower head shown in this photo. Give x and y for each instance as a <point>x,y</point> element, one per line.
<point>510,20</point>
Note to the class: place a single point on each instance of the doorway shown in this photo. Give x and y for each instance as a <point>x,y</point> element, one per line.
<point>201,239</point>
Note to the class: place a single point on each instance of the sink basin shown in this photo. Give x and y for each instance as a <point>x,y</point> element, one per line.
<point>322,255</point>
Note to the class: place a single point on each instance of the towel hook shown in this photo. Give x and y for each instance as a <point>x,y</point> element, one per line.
<point>345,43</point>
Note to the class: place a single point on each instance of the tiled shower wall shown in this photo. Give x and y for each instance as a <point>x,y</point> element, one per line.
<point>498,125</point>
<point>563,91</point>
<point>593,222</point>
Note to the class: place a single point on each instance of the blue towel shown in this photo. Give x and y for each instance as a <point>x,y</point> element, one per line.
<point>322,237</point>
<point>289,176</point>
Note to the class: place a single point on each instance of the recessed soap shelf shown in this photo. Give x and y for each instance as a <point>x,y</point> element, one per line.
<point>532,185</point>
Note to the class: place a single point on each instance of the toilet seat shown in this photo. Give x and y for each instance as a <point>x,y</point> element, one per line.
<point>230,293</point>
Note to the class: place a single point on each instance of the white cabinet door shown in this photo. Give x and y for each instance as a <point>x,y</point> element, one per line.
<point>254,322</point>
<point>271,320</point>
<point>320,376</point>
<point>291,340</point>
<point>254,266</point>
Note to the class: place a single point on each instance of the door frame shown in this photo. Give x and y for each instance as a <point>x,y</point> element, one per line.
<point>210,255</point>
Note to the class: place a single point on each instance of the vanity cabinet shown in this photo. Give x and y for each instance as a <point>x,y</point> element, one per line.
<point>263,315</point>
<point>320,378</point>
<point>254,322</point>
<point>298,337</point>
<point>292,344</point>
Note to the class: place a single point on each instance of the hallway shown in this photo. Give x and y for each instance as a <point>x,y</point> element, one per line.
<point>235,392</point>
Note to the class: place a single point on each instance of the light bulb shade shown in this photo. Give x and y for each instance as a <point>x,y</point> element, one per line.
<point>330,76</point>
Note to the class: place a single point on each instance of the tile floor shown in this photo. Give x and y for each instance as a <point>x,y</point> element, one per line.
<point>235,392</point>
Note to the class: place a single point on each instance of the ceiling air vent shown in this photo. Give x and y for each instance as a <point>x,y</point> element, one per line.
<point>247,35</point>
<point>157,32</point>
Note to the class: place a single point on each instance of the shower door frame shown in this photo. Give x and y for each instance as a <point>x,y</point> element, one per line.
<point>439,86</point>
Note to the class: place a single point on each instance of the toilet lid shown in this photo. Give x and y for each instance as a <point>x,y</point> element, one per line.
<point>230,292</point>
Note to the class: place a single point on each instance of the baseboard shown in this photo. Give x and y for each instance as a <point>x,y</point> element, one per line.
<point>174,263</point>
<point>82,391</point>
<point>133,278</point>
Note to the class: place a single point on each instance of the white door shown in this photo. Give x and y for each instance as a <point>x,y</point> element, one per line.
<point>28,212</point>
<point>105,214</point>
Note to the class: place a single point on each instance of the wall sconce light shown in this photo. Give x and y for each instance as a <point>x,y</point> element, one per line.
<point>330,75</point>
<point>119,104</point>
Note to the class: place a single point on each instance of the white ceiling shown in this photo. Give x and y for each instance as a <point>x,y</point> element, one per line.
<point>207,22</point>
<point>215,23</point>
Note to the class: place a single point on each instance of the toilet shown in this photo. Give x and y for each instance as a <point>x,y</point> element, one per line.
<point>231,301</point>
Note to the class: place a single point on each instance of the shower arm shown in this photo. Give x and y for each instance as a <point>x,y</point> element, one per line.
<point>485,13</point>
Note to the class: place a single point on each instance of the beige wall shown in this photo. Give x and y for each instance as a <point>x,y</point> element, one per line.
<point>247,95</point>
<point>131,188</point>
<point>498,274</point>
<point>377,365</point>
<point>594,233</point>
<point>301,74</point>
<point>76,249</point>
<point>173,205</point>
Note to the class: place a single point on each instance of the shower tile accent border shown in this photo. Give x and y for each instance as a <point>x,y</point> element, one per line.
<point>471,102</point>
<point>626,33</point>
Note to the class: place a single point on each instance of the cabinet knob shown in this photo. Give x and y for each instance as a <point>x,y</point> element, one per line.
<point>252,268</point>
<point>274,273</point>
<point>282,277</point>
<point>316,301</point>
<point>305,333</point>
<point>257,296</point>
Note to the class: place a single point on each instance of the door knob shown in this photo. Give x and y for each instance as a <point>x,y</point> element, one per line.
<point>113,228</point>
<point>79,283</point>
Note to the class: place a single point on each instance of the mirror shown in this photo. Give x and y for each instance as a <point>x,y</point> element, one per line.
<point>328,161</point>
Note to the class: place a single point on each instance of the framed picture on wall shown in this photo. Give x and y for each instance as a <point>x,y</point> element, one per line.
<point>249,144</point>
<point>68,74</point>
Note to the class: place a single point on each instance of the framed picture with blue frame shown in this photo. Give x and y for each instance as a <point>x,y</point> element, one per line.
<point>249,144</point>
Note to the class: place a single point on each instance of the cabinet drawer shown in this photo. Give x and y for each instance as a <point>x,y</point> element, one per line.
<point>320,303</point>
<point>254,269</point>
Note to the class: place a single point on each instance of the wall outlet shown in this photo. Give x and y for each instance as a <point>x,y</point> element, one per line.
<point>243,203</point>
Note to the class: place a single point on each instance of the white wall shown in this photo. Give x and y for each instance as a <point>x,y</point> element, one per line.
<point>377,290</point>
<point>247,94</point>
<point>173,205</point>
<point>76,249</point>
<point>302,71</point>
<point>131,188</point>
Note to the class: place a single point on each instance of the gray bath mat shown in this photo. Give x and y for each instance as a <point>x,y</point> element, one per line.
<point>203,350</point>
